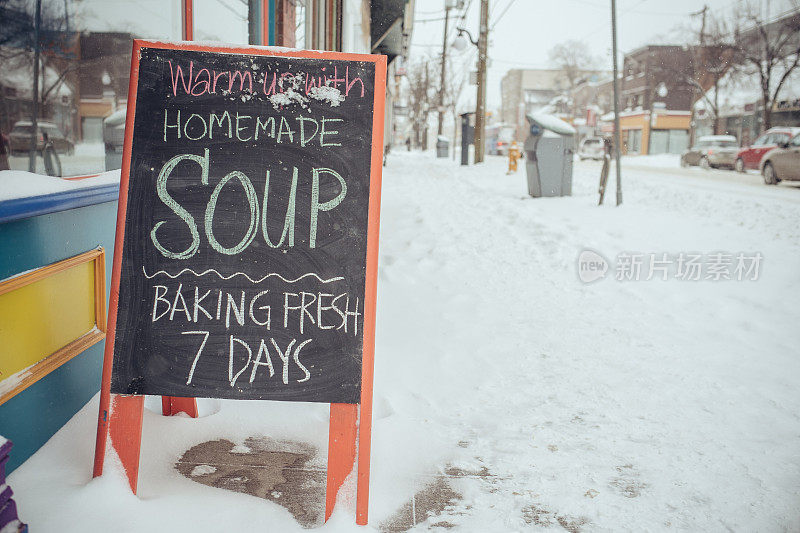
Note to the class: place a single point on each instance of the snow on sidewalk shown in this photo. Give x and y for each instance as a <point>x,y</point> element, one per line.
<point>544,402</point>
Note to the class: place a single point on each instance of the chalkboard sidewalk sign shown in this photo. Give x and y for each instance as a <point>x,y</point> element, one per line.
<point>245,261</point>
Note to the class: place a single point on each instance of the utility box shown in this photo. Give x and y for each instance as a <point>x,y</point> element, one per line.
<point>442,146</point>
<point>549,150</point>
<point>114,138</point>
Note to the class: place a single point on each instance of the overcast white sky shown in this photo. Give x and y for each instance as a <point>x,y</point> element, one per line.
<point>520,38</point>
<point>523,35</point>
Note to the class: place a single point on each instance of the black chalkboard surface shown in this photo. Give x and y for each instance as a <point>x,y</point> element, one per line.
<point>244,258</point>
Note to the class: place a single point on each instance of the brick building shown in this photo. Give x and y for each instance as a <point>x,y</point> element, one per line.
<point>656,99</point>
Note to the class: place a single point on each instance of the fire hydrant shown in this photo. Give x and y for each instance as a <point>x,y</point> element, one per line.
<point>513,155</point>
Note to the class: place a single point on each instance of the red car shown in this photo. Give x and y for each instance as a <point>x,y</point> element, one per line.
<point>750,157</point>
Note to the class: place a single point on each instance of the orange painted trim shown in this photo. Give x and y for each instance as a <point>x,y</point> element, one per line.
<point>15,282</point>
<point>260,51</point>
<point>103,419</point>
<point>187,20</point>
<point>79,345</point>
<point>371,294</point>
<point>55,360</point>
<point>341,450</point>
<point>78,178</point>
<point>100,291</point>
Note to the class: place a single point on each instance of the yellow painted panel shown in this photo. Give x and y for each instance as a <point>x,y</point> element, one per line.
<point>40,318</point>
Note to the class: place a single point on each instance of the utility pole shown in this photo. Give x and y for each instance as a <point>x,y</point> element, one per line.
<point>480,107</point>
<point>617,136</point>
<point>444,69</point>
<point>425,110</point>
<point>703,25</point>
<point>699,54</point>
<point>35,94</point>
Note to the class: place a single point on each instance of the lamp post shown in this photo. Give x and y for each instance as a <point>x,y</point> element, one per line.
<point>460,43</point>
<point>617,135</point>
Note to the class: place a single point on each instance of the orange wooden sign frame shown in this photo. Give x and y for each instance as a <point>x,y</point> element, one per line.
<point>119,423</point>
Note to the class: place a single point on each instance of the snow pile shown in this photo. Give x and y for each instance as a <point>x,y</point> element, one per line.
<point>660,161</point>
<point>20,184</point>
<point>331,95</point>
<point>289,95</point>
<point>543,401</point>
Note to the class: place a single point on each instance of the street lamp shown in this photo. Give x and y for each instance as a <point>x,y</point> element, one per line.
<point>460,43</point>
<point>662,91</point>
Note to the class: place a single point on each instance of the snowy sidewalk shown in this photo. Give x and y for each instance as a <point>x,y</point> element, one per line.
<point>541,401</point>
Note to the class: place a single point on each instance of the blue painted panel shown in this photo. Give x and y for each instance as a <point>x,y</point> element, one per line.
<point>41,240</point>
<point>33,416</point>
<point>31,206</point>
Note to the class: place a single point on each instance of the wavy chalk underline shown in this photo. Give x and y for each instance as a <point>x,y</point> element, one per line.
<point>173,276</point>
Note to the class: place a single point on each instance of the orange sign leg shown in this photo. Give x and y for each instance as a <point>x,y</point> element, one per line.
<point>172,405</point>
<point>341,450</point>
<point>125,432</point>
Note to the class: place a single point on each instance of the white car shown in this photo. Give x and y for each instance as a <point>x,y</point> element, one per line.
<point>591,148</point>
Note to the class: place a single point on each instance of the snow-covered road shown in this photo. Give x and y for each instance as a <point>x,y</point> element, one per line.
<point>547,402</point>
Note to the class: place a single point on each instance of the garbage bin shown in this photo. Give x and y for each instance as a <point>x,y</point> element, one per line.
<point>114,138</point>
<point>548,150</point>
<point>442,146</point>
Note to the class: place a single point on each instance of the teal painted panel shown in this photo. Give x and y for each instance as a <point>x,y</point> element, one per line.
<point>41,240</point>
<point>31,417</point>
<point>271,22</point>
<point>36,414</point>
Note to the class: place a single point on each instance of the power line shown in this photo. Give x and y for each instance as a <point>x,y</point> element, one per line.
<point>437,12</point>
<point>500,16</point>
<point>428,20</point>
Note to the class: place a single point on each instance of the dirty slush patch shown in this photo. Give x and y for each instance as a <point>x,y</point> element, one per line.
<point>283,472</point>
<point>435,501</point>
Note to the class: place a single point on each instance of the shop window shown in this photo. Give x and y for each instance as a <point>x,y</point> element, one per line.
<point>634,141</point>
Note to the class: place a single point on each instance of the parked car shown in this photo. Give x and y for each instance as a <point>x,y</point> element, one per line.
<point>782,163</point>
<point>712,151</point>
<point>20,138</point>
<point>750,157</point>
<point>591,148</point>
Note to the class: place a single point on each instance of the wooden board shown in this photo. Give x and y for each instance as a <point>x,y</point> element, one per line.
<point>226,291</point>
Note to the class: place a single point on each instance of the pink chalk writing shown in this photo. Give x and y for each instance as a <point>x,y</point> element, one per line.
<point>197,80</point>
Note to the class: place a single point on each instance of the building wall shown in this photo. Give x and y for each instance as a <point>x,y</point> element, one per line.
<point>646,68</point>
<point>636,129</point>
<point>526,90</point>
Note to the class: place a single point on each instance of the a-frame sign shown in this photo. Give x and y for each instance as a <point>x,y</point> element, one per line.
<point>245,263</point>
